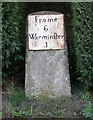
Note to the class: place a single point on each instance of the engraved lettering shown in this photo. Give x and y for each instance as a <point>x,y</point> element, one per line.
<point>32,36</point>
<point>44,20</point>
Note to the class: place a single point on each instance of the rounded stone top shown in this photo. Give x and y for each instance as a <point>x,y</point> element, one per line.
<point>45,13</point>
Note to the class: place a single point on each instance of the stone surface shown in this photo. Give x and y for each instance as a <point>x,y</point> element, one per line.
<point>47,73</point>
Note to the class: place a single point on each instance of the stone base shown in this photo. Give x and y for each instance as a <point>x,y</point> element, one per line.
<point>47,74</point>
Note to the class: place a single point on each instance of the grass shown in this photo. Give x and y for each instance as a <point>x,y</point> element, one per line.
<point>16,104</point>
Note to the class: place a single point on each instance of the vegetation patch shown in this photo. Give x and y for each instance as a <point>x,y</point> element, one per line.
<point>16,104</point>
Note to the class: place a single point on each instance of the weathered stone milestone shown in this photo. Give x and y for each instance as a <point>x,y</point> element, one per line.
<point>47,69</point>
